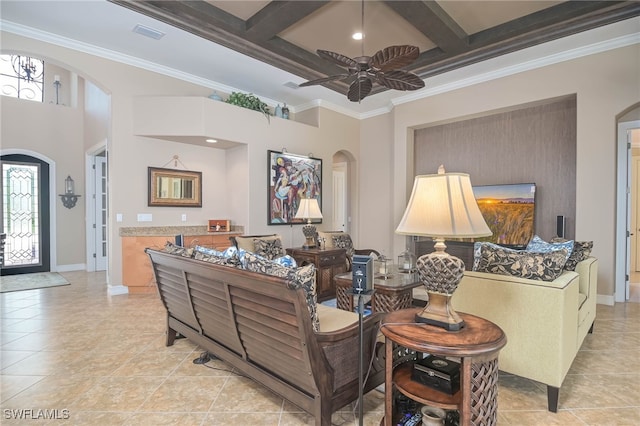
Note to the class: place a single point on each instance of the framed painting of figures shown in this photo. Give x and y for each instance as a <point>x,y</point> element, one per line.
<point>291,178</point>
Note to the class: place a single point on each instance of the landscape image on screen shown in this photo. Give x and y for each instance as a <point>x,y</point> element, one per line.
<point>508,211</point>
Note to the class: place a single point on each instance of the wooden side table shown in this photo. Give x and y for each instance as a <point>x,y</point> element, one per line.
<point>392,294</point>
<point>328,263</point>
<point>477,345</point>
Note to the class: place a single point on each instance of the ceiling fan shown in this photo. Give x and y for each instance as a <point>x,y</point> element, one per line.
<point>382,68</point>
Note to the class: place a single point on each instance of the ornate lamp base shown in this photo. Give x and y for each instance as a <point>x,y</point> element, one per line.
<point>439,312</point>
<point>440,273</point>
<point>309,232</point>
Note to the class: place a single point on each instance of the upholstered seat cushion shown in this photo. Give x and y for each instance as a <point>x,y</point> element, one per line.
<point>332,319</point>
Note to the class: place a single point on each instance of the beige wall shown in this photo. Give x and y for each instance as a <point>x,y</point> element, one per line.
<point>605,85</point>
<point>55,132</point>
<point>241,171</point>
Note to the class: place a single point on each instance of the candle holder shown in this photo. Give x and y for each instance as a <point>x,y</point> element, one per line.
<point>407,262</point>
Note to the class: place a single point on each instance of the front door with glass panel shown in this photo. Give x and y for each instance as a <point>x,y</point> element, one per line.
<point>25,214</point>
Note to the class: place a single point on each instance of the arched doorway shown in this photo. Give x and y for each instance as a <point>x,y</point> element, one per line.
<point>26,219</point>
<point>343,181</point>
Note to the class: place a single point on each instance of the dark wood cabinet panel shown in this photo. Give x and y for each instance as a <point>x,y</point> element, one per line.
<point>328,263</point>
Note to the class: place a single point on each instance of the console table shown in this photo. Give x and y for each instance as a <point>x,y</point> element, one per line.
<point>328,263</point>
<point>392,293</point>
<point>477,345</point>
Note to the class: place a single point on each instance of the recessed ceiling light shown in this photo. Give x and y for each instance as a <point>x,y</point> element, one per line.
<point>148,31</point>
<point>211,140</point>
<point>357,36</point>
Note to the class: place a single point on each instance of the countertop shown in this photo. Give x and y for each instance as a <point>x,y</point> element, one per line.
<point>161,231</point>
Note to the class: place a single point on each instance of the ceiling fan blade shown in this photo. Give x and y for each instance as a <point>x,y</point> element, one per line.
<point>337,58</point>
<point>359,89</point>
<point>324,80</point>
<point>400,80</point>
<point>394,57</point>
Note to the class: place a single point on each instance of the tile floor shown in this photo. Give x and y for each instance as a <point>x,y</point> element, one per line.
<point>101,360</point>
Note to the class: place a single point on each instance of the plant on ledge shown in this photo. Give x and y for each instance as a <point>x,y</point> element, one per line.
<point>249,101</point>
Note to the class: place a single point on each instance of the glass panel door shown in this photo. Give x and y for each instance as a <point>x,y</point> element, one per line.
<point>23,216</point>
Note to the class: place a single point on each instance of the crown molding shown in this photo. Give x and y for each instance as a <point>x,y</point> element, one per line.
<point>457,78</point>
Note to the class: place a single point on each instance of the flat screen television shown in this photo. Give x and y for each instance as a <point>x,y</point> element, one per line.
<point>509,212</point>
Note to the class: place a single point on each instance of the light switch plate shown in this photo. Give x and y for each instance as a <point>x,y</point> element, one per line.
<point>145,217</point>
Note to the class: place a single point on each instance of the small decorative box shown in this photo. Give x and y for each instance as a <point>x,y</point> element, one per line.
<point>437,373</point>
<point>219,225</point>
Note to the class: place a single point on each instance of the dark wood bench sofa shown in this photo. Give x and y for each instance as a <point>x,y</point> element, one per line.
<point>262,327</point>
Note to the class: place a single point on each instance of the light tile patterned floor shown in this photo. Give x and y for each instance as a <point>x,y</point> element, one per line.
<point>101,360</point>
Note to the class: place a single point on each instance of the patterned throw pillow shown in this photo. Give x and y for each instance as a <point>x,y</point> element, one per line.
<point>169,247</point>
<point>581,251</point>
<point>217,260</point>
<point>235,256</point>
<point>209,251</point>
<point>523,264</point>
<point>304,277</point>
<point>477,251</point>
<point>286,261</point>
<point>343,240</point>
<point>539,245</point>
<point>270,248</point>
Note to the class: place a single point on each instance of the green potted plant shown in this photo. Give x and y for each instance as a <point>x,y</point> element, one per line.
<point>250,101</point>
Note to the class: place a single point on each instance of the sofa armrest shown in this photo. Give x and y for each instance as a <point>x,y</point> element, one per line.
<point>539,318</point>
<point>588,272</point>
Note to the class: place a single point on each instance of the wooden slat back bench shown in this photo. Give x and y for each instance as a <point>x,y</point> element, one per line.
<point>260,326</point>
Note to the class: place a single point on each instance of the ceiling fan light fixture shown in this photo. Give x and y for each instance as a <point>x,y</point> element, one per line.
<point>384,68</point>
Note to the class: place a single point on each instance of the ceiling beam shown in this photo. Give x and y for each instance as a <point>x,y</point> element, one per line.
<point>277,16</point>
<point>432,21</point>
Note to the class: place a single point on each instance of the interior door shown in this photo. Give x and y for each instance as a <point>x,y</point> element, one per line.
<point>101,213</point>
<point>24,191</point>
<point>340,197</point>
<point>635,208</point>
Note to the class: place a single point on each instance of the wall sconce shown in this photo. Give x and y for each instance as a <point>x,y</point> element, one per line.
<point>57,84</point>
<point>69,198</point>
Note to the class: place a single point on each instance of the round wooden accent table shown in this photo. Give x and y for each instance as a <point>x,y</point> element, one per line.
<point>477,345</point>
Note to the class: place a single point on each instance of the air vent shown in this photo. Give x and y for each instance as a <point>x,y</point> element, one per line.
<point>148,32</point>
<point>291,85</point>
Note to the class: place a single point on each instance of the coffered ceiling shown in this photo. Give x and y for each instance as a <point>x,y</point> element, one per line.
<point>268,47</point>
<point>449,34</point>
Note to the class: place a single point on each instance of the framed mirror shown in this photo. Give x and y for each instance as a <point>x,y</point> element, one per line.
<point>174,188</point>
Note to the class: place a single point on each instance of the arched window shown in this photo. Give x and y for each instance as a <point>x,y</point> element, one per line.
<point>22,77</point>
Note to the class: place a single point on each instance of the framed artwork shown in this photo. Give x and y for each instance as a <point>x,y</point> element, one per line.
<point>174,188</point>
<point>291,177</point>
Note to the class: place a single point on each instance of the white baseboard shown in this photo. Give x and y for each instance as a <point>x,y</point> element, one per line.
<point>69,268</point>
<point>115,290</point>
<point>605,300</point>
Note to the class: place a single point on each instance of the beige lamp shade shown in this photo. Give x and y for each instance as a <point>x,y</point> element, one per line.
<point>308,209</point>
<point>443,206</point>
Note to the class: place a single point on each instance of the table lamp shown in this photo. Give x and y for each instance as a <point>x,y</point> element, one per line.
<point>309,209</point>
<point>442,206</point>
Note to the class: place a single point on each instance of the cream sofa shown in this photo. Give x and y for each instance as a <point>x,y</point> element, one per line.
<point>545,322</point>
